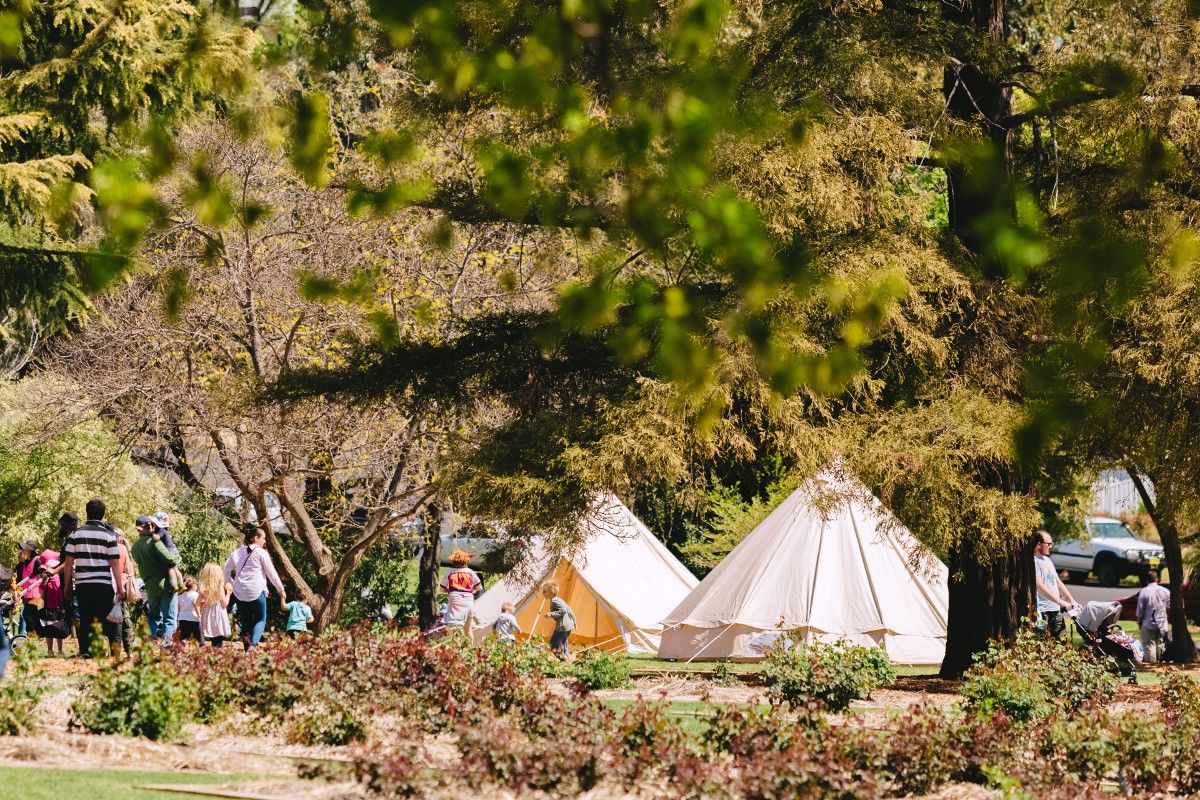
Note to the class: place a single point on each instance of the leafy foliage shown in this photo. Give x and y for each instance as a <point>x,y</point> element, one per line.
<point>833,675</point>
<point>140,698</point>
<point>20,691</point>
<point>81,77</point>
<point>1033,676</point>
<point>55,455</point>
<point>596,669</point>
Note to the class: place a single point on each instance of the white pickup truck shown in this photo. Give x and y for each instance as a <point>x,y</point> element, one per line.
<point>1110,551</point>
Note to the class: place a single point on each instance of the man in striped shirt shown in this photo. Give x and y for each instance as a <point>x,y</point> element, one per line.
<point>92,572</point>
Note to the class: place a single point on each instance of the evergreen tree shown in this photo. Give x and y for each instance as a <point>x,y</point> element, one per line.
<point>767,185</point>
<point>83,81</point>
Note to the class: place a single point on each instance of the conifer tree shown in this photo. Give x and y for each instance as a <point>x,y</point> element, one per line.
<point>82,82</point>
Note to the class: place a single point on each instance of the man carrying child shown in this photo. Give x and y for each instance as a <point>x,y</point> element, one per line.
<point>156,560</point>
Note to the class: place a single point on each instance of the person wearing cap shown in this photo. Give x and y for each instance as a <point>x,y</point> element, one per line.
<point>155,562</point>
<point>31,599</point>
<point>162,523</point>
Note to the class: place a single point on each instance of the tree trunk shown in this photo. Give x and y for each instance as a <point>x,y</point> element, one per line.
<point>976,182</point>
<point>431,559</point>
<point>1181,648</point>
<point>988,600</point>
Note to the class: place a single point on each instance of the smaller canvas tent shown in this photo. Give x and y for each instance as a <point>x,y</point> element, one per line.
<point>620,584</point>
<point>829,564</point>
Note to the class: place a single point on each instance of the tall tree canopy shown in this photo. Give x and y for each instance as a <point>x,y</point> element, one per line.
<point>901,216</point>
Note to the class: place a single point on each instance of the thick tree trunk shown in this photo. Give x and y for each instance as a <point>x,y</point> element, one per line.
<point>975,181</point>
<point>1181,649</point>
<point>427,578</point>
<point>988,600</point>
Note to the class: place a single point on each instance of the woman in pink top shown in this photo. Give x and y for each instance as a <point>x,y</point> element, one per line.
<point>248,569</point>
<point>27,567</point>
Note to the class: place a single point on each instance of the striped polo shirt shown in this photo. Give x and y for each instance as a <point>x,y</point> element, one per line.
<point>94,547</point>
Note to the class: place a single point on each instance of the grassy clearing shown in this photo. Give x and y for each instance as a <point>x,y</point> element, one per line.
<point>40,783</point>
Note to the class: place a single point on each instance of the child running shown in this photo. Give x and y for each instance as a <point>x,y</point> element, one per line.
<point>461,584</point>
<point>506,626</point>
<point>212,604</point>
<point>563,616</point>
<point>189,619</point>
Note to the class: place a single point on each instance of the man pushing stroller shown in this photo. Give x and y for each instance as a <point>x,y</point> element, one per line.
<point>1053,597</point>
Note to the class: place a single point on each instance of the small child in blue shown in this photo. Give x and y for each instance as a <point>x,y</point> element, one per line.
<point>506,626</point>
<point>300,616</point>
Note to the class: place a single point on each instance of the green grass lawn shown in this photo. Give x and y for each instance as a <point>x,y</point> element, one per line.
<point>40,783</point>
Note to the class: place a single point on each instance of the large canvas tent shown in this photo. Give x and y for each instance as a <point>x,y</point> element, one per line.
<point>620,583</point>
<point>829,564</point>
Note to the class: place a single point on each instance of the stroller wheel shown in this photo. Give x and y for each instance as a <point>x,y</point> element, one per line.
<point>18,642</point>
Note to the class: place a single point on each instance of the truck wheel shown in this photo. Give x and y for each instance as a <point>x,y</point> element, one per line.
<point>1074,576</point>
<point>1107,573</point>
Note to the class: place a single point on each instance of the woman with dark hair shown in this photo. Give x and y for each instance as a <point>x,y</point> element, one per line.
<point>249,568</point>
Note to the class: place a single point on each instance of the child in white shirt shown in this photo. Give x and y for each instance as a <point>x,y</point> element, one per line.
<point>506,625</point>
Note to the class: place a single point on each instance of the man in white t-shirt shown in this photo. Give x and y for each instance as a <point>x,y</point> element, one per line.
<point>1052,595</point>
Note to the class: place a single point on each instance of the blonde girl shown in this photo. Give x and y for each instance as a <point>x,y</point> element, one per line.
<point>212,604</point>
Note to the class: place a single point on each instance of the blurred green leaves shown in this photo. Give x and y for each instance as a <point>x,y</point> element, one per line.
<point>311,145</point>
<point>625,107</point>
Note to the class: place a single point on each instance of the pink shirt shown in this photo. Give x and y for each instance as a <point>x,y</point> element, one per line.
<point>52,589</point>
<point>24,571</point>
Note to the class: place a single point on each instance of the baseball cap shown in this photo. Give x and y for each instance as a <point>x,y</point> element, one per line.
<point>143,520</point>
<point>161,519</point>
<point>29,545</point>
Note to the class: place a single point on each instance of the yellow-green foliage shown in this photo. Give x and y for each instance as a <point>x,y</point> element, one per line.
<point>54,457</point>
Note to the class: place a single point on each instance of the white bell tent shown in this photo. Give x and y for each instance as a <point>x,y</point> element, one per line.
<point>829,564</point>
<point>620,583</point>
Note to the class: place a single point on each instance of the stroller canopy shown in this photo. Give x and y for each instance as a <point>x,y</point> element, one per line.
<point>1097,615</point>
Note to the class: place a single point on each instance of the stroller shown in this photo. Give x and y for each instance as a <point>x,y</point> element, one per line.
<point>1097,626</point>
<point>10,603</point>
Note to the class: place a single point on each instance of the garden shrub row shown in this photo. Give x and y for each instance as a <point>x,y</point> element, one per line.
<point>512,731</point>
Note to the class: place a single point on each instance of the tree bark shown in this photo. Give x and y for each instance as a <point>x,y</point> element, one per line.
<point>984,101</point>
<point>1181,648</point>
<point>431,559</point>
<point>988,600</point>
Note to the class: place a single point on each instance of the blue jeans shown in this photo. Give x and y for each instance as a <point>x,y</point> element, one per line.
<point>558,642</point>
<point>29,620</point>
<point>161,613</point>
<point>5,648</point>
<point>252,617</point>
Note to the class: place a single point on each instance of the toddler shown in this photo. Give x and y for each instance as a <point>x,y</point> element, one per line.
<point>300,616</point>
<point>506,626</point>
<point>158,526</point>
<point>189,621</point>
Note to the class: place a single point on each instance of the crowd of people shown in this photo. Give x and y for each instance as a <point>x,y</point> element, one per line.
<point>98,579</point>
<point>463,586</point>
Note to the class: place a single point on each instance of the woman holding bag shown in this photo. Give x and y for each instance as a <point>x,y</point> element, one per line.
<point>249,568</point>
